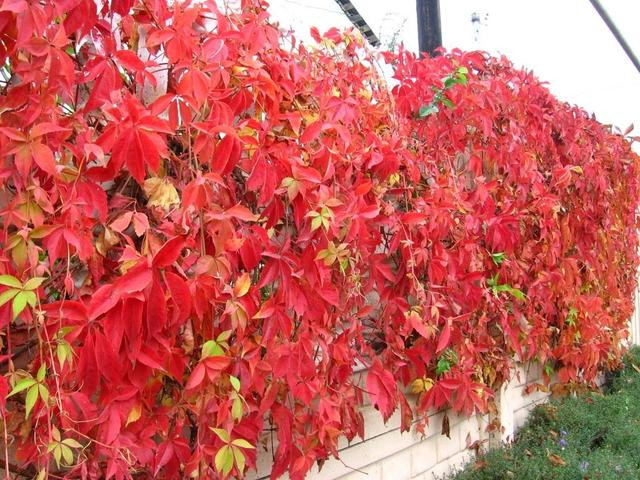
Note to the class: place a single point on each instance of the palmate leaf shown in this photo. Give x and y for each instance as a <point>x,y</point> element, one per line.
<point>228,229</point>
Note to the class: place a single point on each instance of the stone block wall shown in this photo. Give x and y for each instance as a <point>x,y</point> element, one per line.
<point>387,454</point>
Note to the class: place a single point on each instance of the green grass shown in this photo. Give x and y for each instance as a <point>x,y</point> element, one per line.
<point>596,436</point>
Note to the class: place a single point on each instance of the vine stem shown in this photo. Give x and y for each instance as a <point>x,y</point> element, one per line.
<point>6,447</point>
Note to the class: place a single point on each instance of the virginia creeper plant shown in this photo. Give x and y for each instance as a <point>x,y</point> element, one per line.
<point>207,227</point>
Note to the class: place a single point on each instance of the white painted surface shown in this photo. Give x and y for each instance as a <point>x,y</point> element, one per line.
<point>385,453</point>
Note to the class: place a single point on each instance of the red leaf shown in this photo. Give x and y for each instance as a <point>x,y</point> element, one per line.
<point>129,60</point>
<point>43,156</point>
<point>216,362</point>
<point>312,131</point>
<point>180,294</point>
<point>413,218</point>
<point>168,253</point>
<point>381,387</point>
<point>196,377</point>
<point>160,36</point>
<point>122,222</point>
<point>445,336</point>
<point>113,426</point>
<point>140,223</point>
<point>135,280</point>
<point>306,173</point>
<point>241,212</point>
<point>370,212</point>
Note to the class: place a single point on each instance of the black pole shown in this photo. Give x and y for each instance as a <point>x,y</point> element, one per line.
<point>616,33</point>
<point>429,29</point>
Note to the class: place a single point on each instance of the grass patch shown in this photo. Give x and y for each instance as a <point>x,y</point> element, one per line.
<point>591,437</point>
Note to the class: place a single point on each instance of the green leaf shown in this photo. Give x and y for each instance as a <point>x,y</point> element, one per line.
<point>235,382</point>
<point>67,454</point>
<point>211,348</point>
<point>236,409</point>
<point>344,263</point>
<point>8,295</point>
<point>316,222</point>
<point>10,281</point>
<point>31,399</point>
<point>448,358</point>
<point>222,434</point>
<point>240,459</point>
<point>448,103</point>
<point>449,82</point>
<point>443,366</point>
<point>57,452</point>
<point>498,258</point>
<point>72,443</point>
<point>32,300</point>
<point>64,352</point>
<point>242,443</point>
<point>224,336</point>
<point>518,294</point>
<point>224,460</point>
<point>427,110</point>
<point>44,393</point>
<point>323,254</point>
<point>548,369</point>
<point>22,385</point>
<point>42,371</point>
<point>19,302</point>
<point>33,283</point>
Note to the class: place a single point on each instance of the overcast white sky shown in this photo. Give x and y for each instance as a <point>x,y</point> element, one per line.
<point>563,41</point>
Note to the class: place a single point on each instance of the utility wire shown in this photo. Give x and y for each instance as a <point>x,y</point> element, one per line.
<point>306,5</point>
<point>616,33</point>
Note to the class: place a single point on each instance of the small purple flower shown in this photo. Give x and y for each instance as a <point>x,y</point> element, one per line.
<point>583,466</point>
<point>563,443</point>
<point>563,433</point>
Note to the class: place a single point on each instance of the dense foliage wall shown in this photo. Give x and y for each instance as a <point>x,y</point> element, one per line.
<point>206,227</point>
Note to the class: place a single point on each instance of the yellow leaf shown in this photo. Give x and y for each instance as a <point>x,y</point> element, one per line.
<point>33,283</point>
<point>134,414</point>
<point>67,454</point>
<point>161,193</point>
<point>420,385</point>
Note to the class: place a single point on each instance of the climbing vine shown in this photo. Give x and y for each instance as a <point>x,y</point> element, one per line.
<point>206,229</point>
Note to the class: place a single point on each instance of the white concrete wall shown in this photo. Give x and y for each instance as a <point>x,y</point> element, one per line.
<point>386,454</point>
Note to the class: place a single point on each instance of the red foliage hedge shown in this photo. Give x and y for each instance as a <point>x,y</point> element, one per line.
<point>204,232</point>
